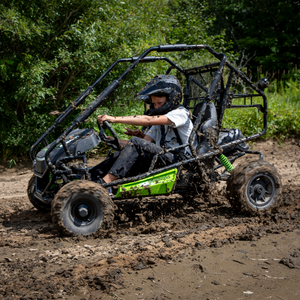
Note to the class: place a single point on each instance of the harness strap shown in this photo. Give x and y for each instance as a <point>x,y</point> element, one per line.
<point>163,136</point>
<point>178,136</point>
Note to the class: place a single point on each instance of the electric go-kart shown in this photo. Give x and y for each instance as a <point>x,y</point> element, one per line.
<point>63,184</point>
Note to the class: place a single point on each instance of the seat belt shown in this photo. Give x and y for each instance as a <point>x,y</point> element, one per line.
<point>163,136</point>
<point>179,153</point>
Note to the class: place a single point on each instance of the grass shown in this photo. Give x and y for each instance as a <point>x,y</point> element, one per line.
<point>12,163</point>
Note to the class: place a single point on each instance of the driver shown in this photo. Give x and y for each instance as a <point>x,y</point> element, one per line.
<point>170,126</point>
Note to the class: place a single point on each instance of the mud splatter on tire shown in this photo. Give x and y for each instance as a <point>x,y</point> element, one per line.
<point>254,187</point>
<point>92,199</point>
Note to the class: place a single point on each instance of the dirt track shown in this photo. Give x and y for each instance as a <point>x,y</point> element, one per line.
<point>160,248</point>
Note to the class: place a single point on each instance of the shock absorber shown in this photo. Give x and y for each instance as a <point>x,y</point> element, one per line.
<point>225,162</point>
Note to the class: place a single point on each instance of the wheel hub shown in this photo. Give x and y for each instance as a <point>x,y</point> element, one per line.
<point>83,210</point>
<point>260,190</point>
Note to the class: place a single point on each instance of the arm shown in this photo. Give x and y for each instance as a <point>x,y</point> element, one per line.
<point>139,134</point>
<point>136,120</point>
<point>148,138</point>
<point>134,132</point>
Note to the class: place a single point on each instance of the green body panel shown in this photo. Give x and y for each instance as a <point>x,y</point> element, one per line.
<point>157,184</point>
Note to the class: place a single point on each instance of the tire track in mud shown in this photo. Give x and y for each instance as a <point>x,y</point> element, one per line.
<point>52,266</point>
<point>37,263</point>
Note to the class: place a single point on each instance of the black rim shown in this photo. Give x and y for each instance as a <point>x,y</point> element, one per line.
<point>83,212</point>
<point>261,190</point>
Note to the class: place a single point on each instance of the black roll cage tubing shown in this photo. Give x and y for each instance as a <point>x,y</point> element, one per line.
<point>145,59</point>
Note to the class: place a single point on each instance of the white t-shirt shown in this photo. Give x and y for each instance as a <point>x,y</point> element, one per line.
<point>180,117</point>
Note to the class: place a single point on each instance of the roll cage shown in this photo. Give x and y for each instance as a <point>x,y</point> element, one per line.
<point>218,92</point>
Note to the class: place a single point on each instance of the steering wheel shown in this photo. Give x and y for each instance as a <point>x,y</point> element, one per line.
<point>113,143</point>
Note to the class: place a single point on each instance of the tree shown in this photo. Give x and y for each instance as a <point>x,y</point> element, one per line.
<point>52,50</point>
<point>266,30</point>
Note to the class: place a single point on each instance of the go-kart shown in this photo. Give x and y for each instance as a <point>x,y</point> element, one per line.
<point>63,183</point>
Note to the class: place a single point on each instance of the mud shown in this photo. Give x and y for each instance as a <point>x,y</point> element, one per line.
<point>160,248</point>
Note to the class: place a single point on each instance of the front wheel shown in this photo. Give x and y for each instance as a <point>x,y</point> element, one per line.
<point>82,207</point>
<point>254,187</point>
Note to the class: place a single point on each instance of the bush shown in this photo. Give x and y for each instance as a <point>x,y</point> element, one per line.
<point>52,51</point>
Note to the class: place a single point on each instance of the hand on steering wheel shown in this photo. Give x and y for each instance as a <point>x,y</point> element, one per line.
<point>114,143</point>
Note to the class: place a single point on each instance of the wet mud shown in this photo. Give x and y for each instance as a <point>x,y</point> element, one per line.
<point>159,248</point>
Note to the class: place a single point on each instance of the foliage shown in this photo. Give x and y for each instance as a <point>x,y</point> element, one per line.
<point>190,24</point>
<point>52,50</point>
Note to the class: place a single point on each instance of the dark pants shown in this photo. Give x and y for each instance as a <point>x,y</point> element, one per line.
<point>135,158</point>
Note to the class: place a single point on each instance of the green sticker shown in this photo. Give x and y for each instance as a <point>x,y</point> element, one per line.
<point>157,184</point>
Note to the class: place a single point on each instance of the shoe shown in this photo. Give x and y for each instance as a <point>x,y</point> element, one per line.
<point>100,180</point>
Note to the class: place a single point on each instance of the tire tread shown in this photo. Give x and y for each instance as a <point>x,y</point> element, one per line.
<point>239,178</point>
<point>85,187</point>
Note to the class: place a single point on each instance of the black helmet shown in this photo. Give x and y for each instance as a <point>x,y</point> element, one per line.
<point>162,85</point>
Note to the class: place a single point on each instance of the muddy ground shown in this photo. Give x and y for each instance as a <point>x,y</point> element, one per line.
<point>160,248</point>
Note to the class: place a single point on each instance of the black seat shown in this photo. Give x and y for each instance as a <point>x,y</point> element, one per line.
<point>230,135</point>
<point>197,110</point>
<point>207,131</point>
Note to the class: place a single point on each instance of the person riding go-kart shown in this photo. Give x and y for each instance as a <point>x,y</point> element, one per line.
<point>183,149</point>
<point>170,126</point>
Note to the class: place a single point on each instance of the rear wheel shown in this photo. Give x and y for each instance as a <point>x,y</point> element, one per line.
<point>37,203</point>
<point>254,187</point>
<point>82,207</point>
